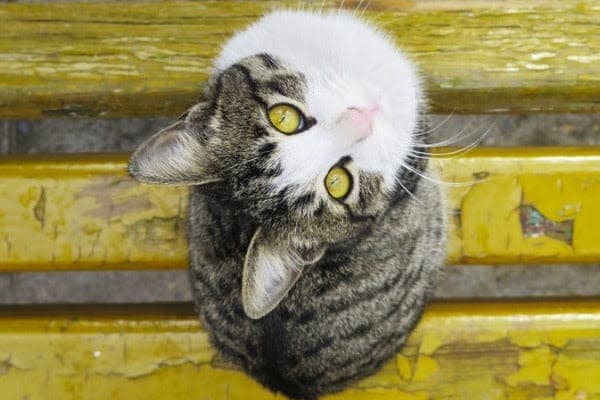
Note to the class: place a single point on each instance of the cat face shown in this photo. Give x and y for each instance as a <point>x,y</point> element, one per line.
<point>310,140</point>
<point>285,163</point>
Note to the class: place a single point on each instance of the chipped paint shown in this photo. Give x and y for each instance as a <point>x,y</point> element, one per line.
<point>535,367</point>
<point>152,232</point>
<point>5,366</point>
<point>534,224</point>
<point>425,369</point>
<point>404,366</point>
<point>429,344</point>
<point>60,214</point>
<point>94,215</point>
<point>496,223</point>
<point>39,210</point>
<point>476,56</point>
<point>485,350</point>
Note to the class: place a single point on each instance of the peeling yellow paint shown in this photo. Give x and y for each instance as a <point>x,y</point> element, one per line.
<point>149,351</point>
<point>378,394</point>
<point>559,182</point>
<point>535,367</point>
<point>404,367</point>
<point>581,373</point>
<point>527,339</point>
<point>95,216</point>
<point>29,196</point>
<point>78,213</point>
<point>91,228</point>
<point>429,344</point>
<point>84,212</point>
<point>476,56</point>
<point>426,367</point>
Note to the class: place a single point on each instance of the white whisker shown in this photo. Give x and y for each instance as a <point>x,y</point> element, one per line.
<point>437,181</point>
<point>453,139</point>
<point>410,193</point>
<point>457,152</point>
<point>436,127</point>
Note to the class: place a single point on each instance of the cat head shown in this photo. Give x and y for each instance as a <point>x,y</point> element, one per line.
<point>309,121</point>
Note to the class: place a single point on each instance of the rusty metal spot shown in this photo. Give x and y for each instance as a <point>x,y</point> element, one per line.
<point>535,224</point>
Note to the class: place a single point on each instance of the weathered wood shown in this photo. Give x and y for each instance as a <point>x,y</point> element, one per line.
<point>84,212</point>
<point>150,58</point>
<point>523,205</point>
<point>460,350</point>
<point>505,205</point>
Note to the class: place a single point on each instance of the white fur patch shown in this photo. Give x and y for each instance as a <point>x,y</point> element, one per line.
<point>347,63</point>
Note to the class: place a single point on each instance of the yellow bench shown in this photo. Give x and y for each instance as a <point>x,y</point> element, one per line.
<point>527,205</point>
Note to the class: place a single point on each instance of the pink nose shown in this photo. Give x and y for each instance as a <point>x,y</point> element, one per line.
<point>362,119</point>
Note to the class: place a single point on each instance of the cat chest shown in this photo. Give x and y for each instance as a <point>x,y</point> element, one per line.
<point>326,312</point>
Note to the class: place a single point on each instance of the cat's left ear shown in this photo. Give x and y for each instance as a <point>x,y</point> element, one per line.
<point>271,269</point>
<point>172,156</point>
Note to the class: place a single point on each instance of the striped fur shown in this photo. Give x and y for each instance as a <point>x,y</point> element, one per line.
<point>379,249</point>
<point>348,313</point>
<point>344,318</point>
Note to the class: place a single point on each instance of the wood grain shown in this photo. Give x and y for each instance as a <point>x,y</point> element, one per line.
<point>150,58</point>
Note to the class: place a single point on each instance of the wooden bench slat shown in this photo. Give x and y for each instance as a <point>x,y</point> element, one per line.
<point>466,350</point>
<point>511,205</point>
<point>149,58</point>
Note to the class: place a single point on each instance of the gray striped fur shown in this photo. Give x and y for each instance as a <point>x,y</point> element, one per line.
<point>351,310</point>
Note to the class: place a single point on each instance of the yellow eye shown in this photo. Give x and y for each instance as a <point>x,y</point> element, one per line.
<point>338,182</point>
<point>286,118</point>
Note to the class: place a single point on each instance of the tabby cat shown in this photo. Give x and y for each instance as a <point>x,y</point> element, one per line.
<point>314,239</point>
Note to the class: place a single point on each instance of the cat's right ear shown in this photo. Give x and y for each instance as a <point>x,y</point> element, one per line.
<point>172,156</point>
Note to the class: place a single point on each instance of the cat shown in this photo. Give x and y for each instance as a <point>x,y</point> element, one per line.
<point>314,235</point>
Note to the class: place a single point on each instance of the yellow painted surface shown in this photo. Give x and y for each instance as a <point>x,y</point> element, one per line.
<point>86,213</point>
<point>150,58</point>
<point>83,212</point>
<point>561,183</point>
<point>160,352</point>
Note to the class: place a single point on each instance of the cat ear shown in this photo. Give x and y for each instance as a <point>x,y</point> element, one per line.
<point>271,269</point>
<point>172,156</point>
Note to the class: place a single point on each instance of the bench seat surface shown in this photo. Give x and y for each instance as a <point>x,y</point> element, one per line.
<point>83,212</point>
<point>460,350</point>
<point>150,58</point>
<point>506,205</point>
